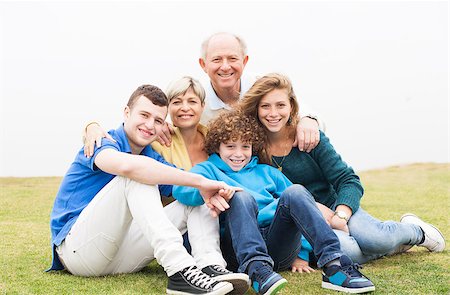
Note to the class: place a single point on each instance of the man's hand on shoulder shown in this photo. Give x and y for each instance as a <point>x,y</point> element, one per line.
<point>308,135</point>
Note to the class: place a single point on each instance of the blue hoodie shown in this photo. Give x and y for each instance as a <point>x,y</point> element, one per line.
<point>265,183</point>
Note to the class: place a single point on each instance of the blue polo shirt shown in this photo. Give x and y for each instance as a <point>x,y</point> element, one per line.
<point>82,182</point>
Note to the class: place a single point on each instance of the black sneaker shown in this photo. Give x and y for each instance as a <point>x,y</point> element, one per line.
<point>240,281</point>
<point>346,278</point>
<point>265,281</point>
<point>191,280</point>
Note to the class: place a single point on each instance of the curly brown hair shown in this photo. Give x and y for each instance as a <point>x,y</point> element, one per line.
<point>233,126</point>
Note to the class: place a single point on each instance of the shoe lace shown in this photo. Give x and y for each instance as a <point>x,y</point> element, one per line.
<point>262,273</point>
<point>353,270</point>
<point>197,277</point>
<point>219,268</point>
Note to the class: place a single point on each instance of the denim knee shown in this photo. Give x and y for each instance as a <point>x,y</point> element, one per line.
<point>376,237</point>
<point>243,199</point>
<point>377,243</point>
<point>297,193</point>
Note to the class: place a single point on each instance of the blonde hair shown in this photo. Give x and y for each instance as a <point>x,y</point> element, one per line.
<point>182,85</point>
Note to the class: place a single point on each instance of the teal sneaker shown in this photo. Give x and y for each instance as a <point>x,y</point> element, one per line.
<point>346,278</point>
<point>265,281</point>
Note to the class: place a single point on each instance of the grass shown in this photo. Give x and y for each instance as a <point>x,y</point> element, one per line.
<point>423,189</point>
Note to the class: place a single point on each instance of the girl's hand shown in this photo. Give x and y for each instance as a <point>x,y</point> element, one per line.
<point>326,212</point>
<point>339,223</point>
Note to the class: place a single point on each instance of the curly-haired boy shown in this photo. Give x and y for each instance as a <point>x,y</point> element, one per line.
<point>262,228</point>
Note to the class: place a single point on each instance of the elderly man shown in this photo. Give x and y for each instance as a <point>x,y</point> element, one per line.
<point>223,58</point>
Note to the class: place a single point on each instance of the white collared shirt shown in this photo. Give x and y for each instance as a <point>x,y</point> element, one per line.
<point>214,105</point>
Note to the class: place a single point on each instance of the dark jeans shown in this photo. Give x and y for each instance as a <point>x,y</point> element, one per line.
<point>243,241</point>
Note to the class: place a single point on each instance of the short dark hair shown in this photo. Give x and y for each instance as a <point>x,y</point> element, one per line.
<point>153,93</point>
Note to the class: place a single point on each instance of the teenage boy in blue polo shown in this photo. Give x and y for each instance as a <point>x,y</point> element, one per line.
<point>107,216</point>
<point>263,226</point>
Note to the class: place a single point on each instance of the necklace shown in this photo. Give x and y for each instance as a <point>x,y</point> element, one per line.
<point>279,164</point>
<point>285,153</point>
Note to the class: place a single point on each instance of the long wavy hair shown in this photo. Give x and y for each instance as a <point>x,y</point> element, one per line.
<point>250,102</point>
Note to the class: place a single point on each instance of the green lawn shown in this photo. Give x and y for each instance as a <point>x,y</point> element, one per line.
<point>423,189</point>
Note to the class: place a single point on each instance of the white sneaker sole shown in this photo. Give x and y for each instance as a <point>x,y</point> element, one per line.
<point>330,286</point>
<point>221,289</point>
<point>240,282</point>
<point>414,219</point>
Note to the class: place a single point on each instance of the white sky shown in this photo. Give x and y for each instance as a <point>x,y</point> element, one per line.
<point>376,72</point>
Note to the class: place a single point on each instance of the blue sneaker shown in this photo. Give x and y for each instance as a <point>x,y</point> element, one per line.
<point>346,278</point>
<point>265,281</point>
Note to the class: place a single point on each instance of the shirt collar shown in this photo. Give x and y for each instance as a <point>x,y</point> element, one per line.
<point>122,140</point>
<point>215,103</point>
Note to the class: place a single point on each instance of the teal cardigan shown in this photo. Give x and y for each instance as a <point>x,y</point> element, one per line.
<point>323,172</point>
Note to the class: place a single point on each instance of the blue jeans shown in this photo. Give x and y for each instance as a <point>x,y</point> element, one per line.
<point>278,244</point>
<point>371,238</point>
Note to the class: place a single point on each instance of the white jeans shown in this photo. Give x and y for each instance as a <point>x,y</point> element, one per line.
<point>125,226</point>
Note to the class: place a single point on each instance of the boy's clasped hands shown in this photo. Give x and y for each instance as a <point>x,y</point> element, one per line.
<point>219,202</point>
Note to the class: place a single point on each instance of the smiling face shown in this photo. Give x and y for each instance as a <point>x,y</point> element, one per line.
<point>274,110</point>
<point>185,110</point>
<point>224,61</point>
<point>143,122</point>
<point>235,154</point>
